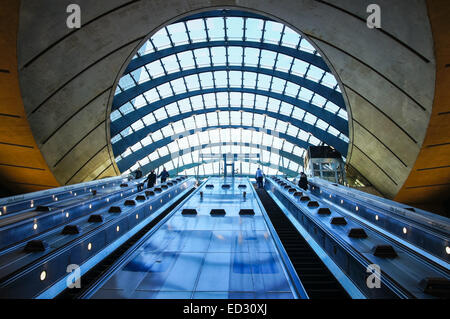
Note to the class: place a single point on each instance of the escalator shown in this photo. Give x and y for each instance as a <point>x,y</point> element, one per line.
<point>95,274</point>
<point>317,280</point>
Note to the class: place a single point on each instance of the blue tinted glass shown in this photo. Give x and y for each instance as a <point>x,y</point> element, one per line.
<point>242,86</point>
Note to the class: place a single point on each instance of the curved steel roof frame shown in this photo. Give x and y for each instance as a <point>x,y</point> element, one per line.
<point>321,134</point>
<point>253,163</point>
<point>212,73</point>
<point>135,115</point>
<point>141,153</point>
<point>284,159</point>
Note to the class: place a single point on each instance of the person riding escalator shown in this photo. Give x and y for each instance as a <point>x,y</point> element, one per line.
<point>151,178</point>
<point>303,182</point>
<point>164,175</point>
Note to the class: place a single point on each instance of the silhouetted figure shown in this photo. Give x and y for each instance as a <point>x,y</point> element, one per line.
<point>151,178</point>
<point>164,175</point>
<point>137,173</point>
<point>259,178</point>
<point>303,182</point>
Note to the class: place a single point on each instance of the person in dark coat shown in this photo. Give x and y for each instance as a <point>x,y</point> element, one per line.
<point>303,182</point>
<point>151,178</point>
<point>259,178</point>
<point>164,175</point>
<point>137,174</point>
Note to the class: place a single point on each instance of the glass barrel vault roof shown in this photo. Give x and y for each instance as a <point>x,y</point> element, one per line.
<point>225,82</point>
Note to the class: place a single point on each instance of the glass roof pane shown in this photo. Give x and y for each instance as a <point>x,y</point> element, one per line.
<point>164,90</point>
<point>145,49</point>
<point>114,115</point>
<point>267,59</point>
<point>329,80</point>
<point>149,119</point>
<point>196,30</point>
<point>273,105</point>
<point>264,82</point>
<point>235,99</point>
<point>163,151</point>
<point>235,55</point>
<point>126,82</point>
<point>235,79</point>
<point>212,119</point>
<point>137,125</point>
<point>202,57</point>
<point>155,69</point>
<point>284,63</point>
<point>249,80</point>
<point>151,95</point>
<point>290,38</point>
<point>292,130</point>
<point>216,29</point>
<point>183,143</point>
<point>186,60</point>
<point>160,114</point>
<point>278,85</point>
<point>185,106</point>
<point>314,73</point>
<point>192,82</point>
<point>172,109</point>
<point>221,78</point>
<point>318,100</point>
<point>254,29</point>
<point>270,123</point>
<point>189,124</point>
<point>218,56</point>
<point>251,56</point>
<point>178,33</point>
<point>126,108</point>
<point>222,99</point>
<point>160,39</point>
<point>286,109</point>
<point>306,46</point>
<point>272,32</point>
<point>197,103</point>
<point>235,28</point>
<point>178,86</point>
<point>170,64</point>
<point>305,94</point>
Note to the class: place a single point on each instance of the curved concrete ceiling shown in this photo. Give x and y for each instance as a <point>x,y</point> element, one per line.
<point>68,77</point>
<point>428,185</point>
<point>22,167</point>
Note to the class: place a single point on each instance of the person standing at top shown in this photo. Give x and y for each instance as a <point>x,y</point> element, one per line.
<point>164,175</point>
<point>151,178</point>
<point>137,173</point>
<point>303,182</point>
<point>259,178</point>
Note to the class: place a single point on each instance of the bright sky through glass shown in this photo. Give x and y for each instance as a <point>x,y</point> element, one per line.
<point>217,85</point>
